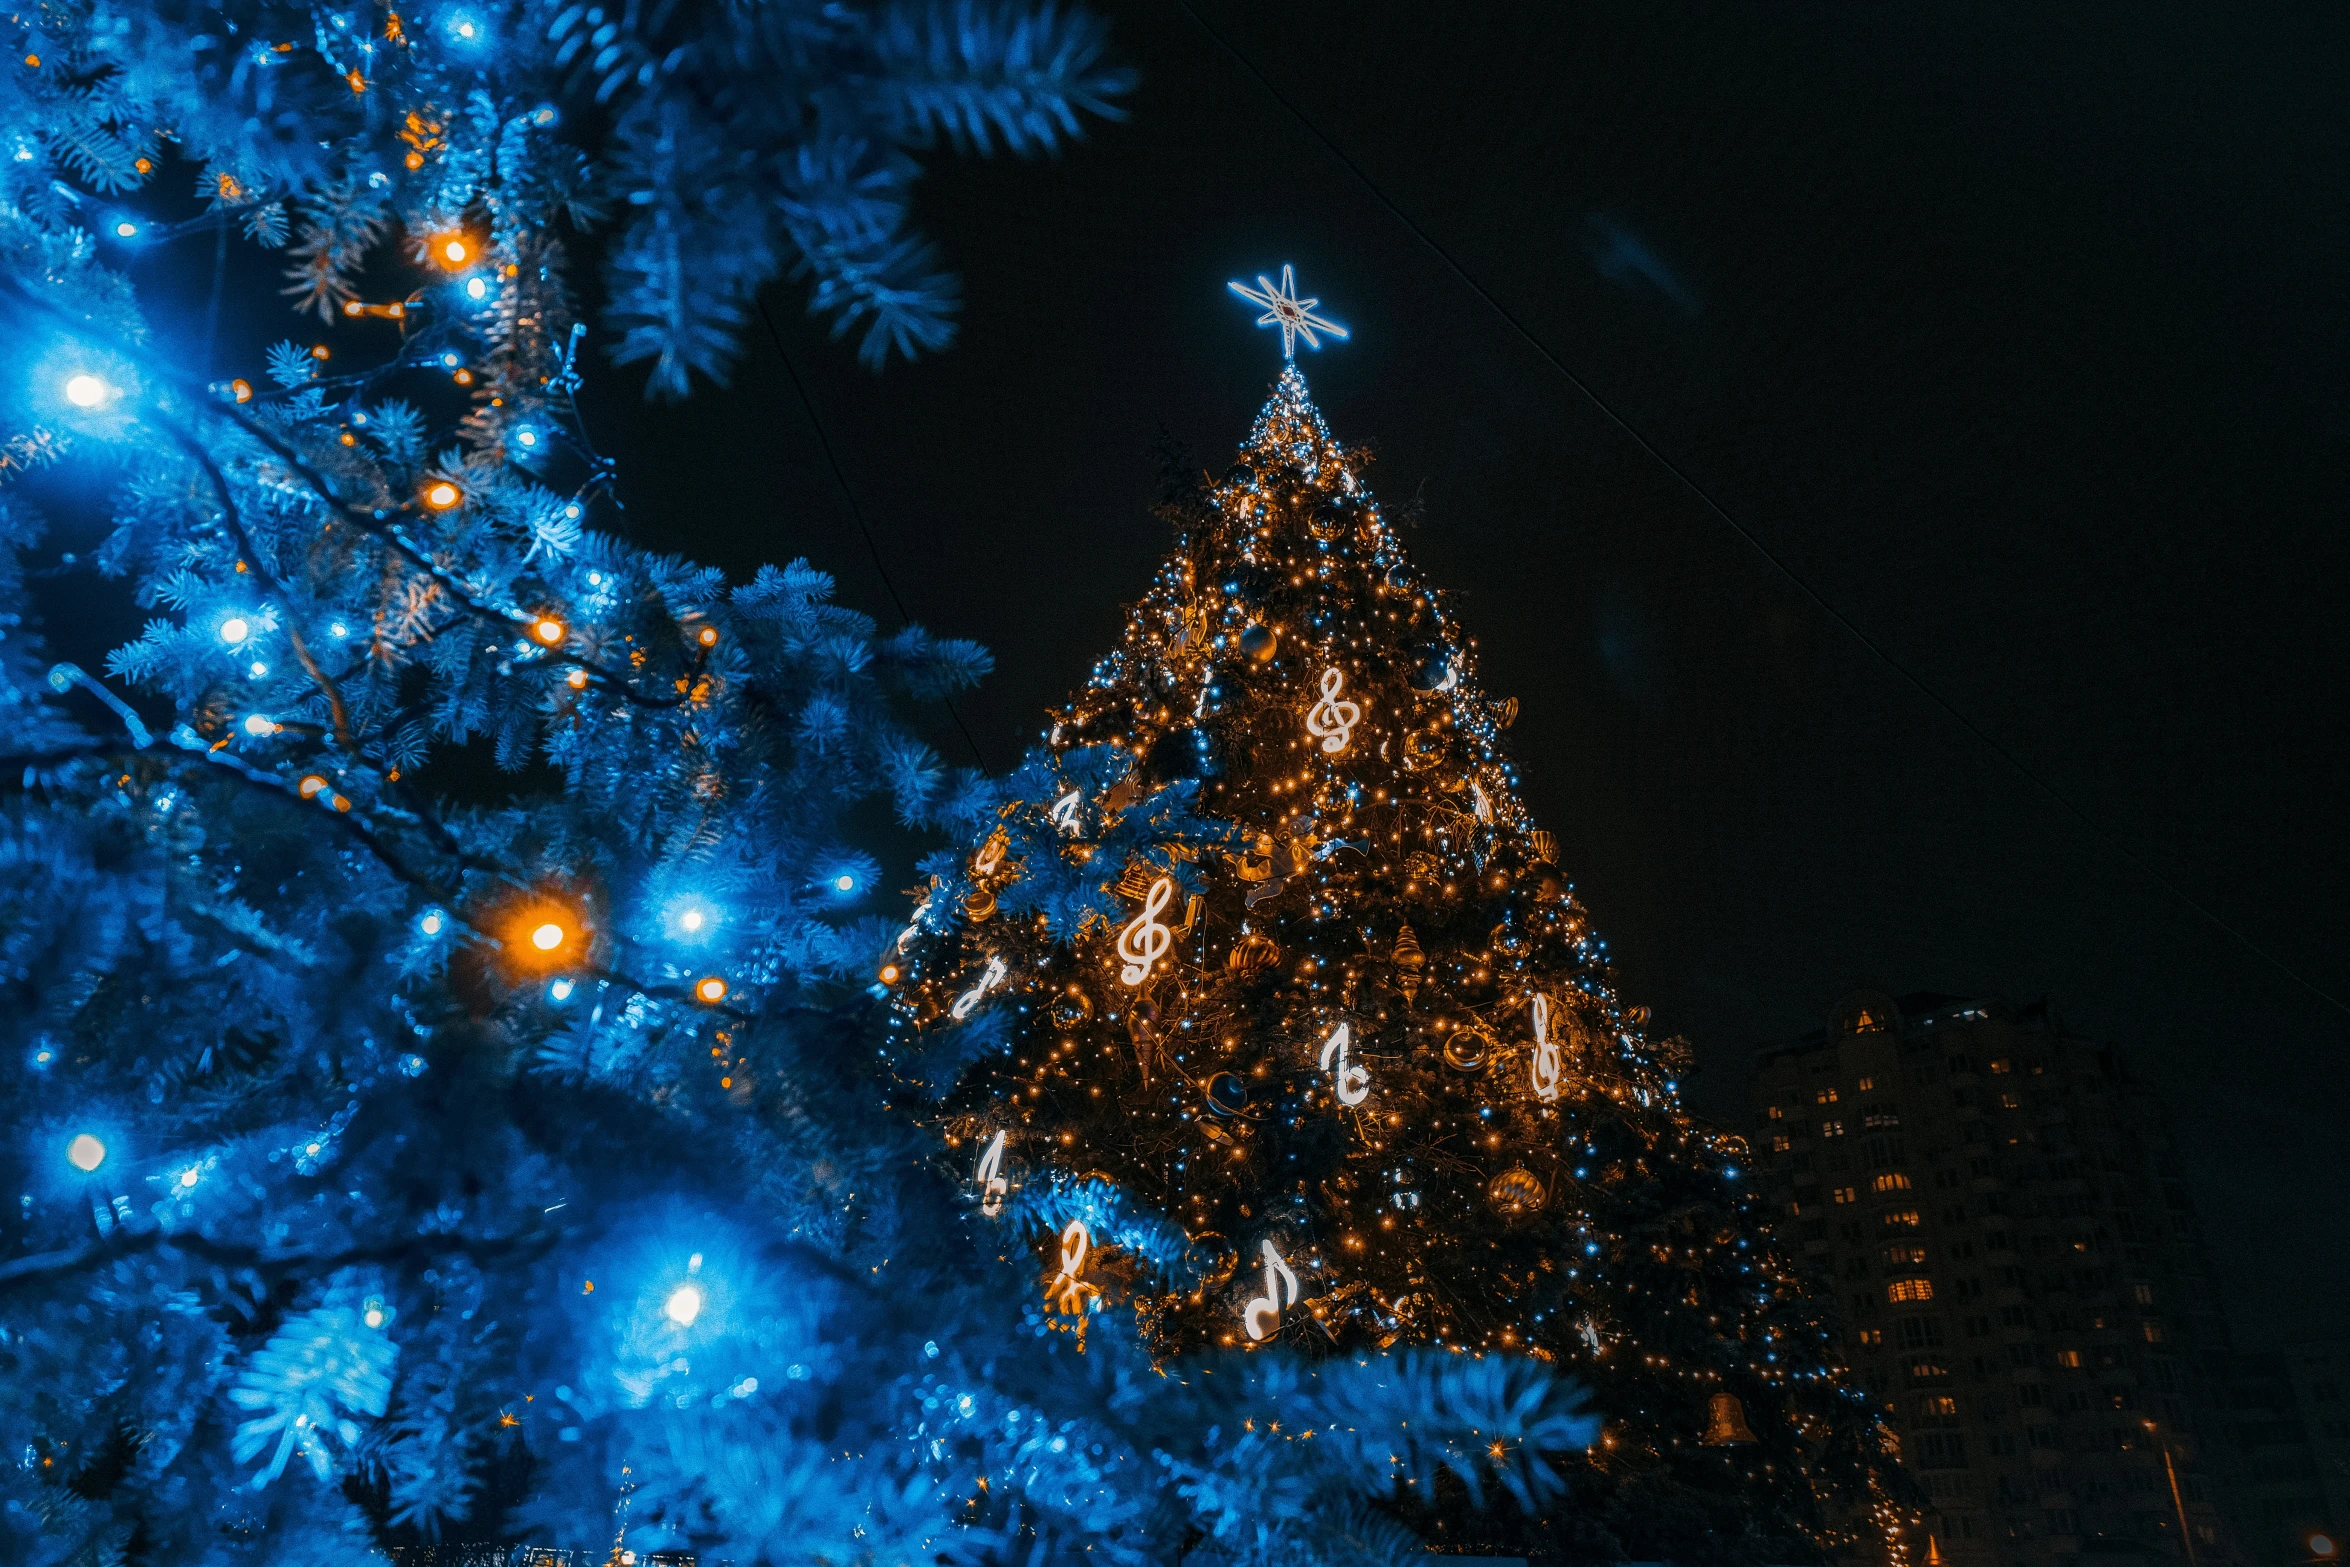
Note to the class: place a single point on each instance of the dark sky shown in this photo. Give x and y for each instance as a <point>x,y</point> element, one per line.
<point>2017,331</point>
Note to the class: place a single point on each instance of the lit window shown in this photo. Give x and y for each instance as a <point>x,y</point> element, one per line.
<point>2153,1331</point>
<point>2144,1293</point>
<point>1827,1096</point>
<point>1937,1404</point>
<point>1901,1218</point>
<point>1831,1128</point>
<point>1872,1336</point>
<point>1846,1194</point>
<point>2069,1357</point>
<point>1923,1370</point>
<point>1909,1290</point>
<point>1890,1181</point>
<point>1776,1113</point>
<point>1780,1144</point>
<point>2002,1065</point>
<point>1911,1256</point>
<point>2010,1102</point>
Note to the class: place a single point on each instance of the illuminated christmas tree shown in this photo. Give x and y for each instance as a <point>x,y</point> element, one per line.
<point>1263,1008</point>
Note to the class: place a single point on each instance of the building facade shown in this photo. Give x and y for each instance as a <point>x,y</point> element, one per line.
<point>2019,1272</point>
<point>2291,1444</point>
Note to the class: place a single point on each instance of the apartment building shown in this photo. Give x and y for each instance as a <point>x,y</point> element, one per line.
<point>2020,1276</point>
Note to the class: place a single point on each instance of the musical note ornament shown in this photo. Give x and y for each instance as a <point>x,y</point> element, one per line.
<point>989,977</point>
<point>990,1176</point>
<point>1332,720</point>
<point>1270,1303</point>
<point>1143,942</point>
<point>1354,1082</point>
<point>913,926</point>
<point>1546,1052</point>
<point>991,855</point>
<point>1064,813</point>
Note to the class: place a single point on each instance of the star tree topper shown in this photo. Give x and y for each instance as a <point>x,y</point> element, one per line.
<point>1284,309</point>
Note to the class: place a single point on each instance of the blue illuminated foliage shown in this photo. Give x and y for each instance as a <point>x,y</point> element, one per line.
<point>726,146</point>
<point>390,1170</point>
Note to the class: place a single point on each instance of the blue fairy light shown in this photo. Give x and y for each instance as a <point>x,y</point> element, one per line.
<point>691,918</point>
<point>85,1152</point>
<point>464,27</point>
<point>431,922</point>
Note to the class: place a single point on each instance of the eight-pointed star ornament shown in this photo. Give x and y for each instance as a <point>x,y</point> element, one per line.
<point>1284,309</point>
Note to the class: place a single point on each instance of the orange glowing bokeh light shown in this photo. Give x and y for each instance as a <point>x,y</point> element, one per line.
<point>710,989</point>
<point>541,931</point>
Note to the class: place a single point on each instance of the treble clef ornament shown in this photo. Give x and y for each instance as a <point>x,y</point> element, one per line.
<point>1067,1291</point>
<point>1270,1303</point>
<point>1332,720</point>
<point>1353,1082</point>
<point>1144,941</point>
<point>1064,813</point>
<point>1546,1052</point>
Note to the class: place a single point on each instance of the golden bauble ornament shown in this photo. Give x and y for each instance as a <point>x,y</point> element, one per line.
<point>1252,954</point>
<point>1515,1192</point>
<point>1468,1047</point>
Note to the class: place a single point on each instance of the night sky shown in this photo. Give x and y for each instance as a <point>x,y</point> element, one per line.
<point>2016,331</point>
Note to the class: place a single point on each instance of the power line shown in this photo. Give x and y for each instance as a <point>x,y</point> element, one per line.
<point>1752,542</point>
<point>857,512</point>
